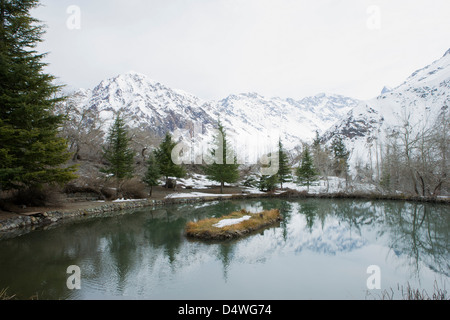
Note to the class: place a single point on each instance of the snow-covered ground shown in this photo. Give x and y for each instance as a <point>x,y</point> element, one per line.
<point>334,185</point>
<point>126,200</point>
<point>230,222</point>
<point>197,181</point>
<point>195,195</point>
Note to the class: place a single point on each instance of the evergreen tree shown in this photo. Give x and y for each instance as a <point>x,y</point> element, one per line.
<point>31,153</point>
<point>306,173</point>
<point>341,156</point>
<point>284,171</point>
<point>224,167</point>
<point>163,156</point>
<point>268,183</point>
<point>323,159</point>
<point>317,141</point>
<point>118,155</point>
<point>153,174</point>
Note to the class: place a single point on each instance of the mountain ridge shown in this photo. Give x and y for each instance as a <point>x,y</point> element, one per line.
<point>251,118</point>
<point>418,100</point>
<point>151,105</point>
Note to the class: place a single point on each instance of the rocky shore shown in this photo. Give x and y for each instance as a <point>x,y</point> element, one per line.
<point>53,217</point>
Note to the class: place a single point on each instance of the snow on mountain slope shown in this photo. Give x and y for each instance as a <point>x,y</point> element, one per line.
<point>292,120</point>
<point>418,100</point>
<point>145,103</point>
<point>253,123</point>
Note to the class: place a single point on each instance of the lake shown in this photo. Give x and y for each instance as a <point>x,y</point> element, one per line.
<point>324,249</point>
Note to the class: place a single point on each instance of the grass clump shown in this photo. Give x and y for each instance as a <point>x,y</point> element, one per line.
<point>5,296</point>
<point>208,229</point>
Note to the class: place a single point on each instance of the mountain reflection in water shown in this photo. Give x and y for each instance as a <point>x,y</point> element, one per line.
<point>321,250</point>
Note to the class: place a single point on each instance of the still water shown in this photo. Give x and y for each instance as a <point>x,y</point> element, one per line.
<point>322,250</point>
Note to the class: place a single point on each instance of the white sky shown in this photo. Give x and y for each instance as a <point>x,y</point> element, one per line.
<point>214,48</point>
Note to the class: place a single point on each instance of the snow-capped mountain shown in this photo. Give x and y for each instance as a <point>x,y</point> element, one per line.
<point>418,100</point>
<point>144,103</point>
<point>251,120</point>
<point>292,120</point>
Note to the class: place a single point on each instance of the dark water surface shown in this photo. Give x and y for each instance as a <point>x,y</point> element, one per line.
<point>322,250</point>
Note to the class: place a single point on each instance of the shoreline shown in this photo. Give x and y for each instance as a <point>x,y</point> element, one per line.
<point>52,217</point>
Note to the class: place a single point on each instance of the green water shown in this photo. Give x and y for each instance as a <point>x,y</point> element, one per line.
<point>322,250</point>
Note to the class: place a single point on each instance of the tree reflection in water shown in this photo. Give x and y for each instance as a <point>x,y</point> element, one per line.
<point>144,252</point>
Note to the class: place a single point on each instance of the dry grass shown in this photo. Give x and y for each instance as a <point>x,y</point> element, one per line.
<point>410,293</point>
<point>205,229</point>
<point>5,296</point>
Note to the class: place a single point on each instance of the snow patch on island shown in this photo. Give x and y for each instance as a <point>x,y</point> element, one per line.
<point>230,222</point>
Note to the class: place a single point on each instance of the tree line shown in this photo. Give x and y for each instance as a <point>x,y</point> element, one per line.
<point>43,135</point>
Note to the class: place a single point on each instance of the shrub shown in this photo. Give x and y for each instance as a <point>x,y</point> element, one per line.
<point>47,195</point>
<point>268,183</point>
<point>134,189</point>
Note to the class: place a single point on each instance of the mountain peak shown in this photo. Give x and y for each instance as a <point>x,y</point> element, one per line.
<point>133,76</point>
<point>386,90</point>
<point>251,95</point>
<point>447,53</point>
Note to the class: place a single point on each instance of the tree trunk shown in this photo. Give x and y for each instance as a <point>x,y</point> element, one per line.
<point>76,153</point>
<point>222,184</point>
<point>422,182</point>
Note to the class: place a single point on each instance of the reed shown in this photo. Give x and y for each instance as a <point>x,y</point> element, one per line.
<point>5,296</point>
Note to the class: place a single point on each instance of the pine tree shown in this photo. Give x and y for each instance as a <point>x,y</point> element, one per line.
<point>268,183</point>
<point>31,153</point>
<point>341,156</point>
<point>284,171</point>
<point>224,167</point>
<point>163,156</point>
<point>153,174</point>
<point>118,155</point>
<point>306,173</point>
<point>323,161</point>
<point>317,141</point>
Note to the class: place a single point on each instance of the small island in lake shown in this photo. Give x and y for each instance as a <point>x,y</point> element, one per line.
<point>234,225</point>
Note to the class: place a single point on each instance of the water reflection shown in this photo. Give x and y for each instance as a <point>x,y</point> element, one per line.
<point>144,254</point>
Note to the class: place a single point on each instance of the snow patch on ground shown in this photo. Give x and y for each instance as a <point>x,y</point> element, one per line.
<point>333,185</point>
<point>230,222</point>
<point>127,200</point>
<point>196,181</point>
<point>195,195</point>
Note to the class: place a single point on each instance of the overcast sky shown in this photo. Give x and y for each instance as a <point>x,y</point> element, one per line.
<point>214,48</point>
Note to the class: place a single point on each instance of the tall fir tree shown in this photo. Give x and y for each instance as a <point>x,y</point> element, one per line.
<point>306,173</point>
<point>31,153</point>
<point>268,183</point>
<point>153,173</point>
<point>223,166</point>
<point>284,171</point>
<point>317,141</point>
<point>117,153</point>
<point>163,157</point>
<point>341,156</point>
